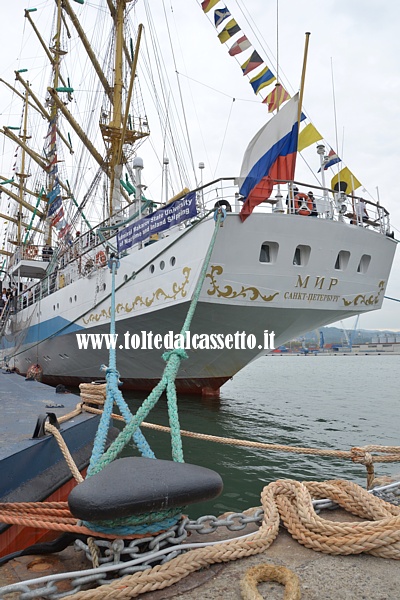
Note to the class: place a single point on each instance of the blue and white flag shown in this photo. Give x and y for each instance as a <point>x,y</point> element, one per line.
<point>220,14</point>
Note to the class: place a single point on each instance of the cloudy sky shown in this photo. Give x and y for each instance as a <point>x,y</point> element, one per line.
<point>354,50</point>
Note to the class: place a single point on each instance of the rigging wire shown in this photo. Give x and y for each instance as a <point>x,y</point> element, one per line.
<point>160,101</point>
<point>180,93</point>
<point>223,138</point>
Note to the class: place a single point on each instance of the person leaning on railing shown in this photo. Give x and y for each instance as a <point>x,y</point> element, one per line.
<point>47,253</point>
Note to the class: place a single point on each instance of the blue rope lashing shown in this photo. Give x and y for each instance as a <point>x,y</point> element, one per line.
<point>113,394</point>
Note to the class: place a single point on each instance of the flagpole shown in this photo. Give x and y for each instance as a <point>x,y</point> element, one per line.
<point>303,77</point>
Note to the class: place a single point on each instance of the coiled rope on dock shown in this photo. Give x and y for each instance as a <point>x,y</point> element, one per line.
<point>289,502</point>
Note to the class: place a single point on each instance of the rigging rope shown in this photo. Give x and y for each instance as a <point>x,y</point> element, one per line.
<point>173,359</point>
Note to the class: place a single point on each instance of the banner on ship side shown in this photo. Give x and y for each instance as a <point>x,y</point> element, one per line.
<point>160,220</point>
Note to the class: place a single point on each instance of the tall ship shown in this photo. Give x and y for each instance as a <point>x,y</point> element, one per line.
<point>287,257</point>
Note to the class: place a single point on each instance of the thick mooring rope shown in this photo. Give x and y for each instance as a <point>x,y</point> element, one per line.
<point>291,502</point>
<point>94,394</point>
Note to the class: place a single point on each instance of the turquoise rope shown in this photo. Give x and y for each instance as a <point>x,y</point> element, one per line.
<point>167,382</point>
<point>113,394</point>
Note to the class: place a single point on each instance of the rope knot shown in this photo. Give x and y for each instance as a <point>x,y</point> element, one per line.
<point>179,352</point>
<point>111,372</point>
<point>361,456</point>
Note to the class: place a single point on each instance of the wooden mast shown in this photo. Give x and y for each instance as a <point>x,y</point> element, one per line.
<point>22,175</point>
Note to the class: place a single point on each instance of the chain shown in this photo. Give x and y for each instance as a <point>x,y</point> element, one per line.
<point>121,557</point>
<point>118,558</point>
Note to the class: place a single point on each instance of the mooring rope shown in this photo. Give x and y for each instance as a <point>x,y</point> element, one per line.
<point>95,394</point>
<point>173,360</point>
<point>290,502</point>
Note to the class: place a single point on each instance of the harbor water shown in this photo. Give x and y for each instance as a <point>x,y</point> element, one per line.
<point>334,402</point>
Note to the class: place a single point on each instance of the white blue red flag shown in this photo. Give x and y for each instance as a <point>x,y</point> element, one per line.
<point>270,157</point>
<point>333,159</point>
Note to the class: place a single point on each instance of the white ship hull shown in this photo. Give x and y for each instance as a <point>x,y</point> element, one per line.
<point>240,294</point>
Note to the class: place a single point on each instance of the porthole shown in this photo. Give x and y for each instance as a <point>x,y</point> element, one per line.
<point>75,298</point>
<point>152,268</point>
<point>162,265</point>
<point>172,261</point>
<point>104,287</point>
<point>125,277</point>
<point>70,300</point>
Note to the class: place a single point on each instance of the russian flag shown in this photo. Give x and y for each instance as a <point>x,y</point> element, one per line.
<point>270,156</point>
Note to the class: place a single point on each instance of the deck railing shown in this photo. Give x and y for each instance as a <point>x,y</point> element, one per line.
<point>87,252</point>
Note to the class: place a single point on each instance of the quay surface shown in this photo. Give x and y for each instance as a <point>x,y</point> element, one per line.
<point>322,576</point>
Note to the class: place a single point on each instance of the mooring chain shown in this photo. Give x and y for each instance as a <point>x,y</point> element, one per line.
<point>112,551</point>
<point>115,553</point>
<point>233,522</point>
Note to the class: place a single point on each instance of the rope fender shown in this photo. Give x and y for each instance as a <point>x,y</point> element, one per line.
<point>283,575</point>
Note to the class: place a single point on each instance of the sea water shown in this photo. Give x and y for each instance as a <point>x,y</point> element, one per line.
<point>322,401</point>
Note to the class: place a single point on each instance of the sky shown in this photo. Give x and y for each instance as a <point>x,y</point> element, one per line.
<point>351,90</point>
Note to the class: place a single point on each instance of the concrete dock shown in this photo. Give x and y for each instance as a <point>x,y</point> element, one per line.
<point>322,576</point>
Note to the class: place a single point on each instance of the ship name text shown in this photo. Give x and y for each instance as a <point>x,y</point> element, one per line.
<point>319,282</point>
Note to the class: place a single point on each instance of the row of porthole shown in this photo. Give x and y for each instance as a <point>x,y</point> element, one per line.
<point>269,253</point>
<point>57,306</point>
<point>48,358</point>
<point>172,262</point>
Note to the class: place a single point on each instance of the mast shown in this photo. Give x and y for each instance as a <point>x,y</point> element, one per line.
<point>117,104</point>
<point>22,175</point>
<point>116,133</point>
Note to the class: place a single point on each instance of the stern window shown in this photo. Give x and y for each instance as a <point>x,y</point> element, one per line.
<point>342,260</point>
<point>301,255</point>
<point>364,263</point>
<point>268,252</point>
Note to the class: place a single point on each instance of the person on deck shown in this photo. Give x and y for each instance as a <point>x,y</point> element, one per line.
<point>314,212</point>
<point>361,211</point>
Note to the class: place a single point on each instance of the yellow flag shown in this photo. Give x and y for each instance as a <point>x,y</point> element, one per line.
<point>345,182</point>
<point>308,136</point>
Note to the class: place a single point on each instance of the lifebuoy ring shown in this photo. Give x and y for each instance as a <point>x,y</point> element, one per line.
<point>223,203</point>
<point>303,205</point>
<point>31,251</point>
<point>101,259</point>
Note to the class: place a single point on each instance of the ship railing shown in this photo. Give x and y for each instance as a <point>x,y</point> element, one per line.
<point>85,250</point>
<point>31,252</point>
<point>325,204</point>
